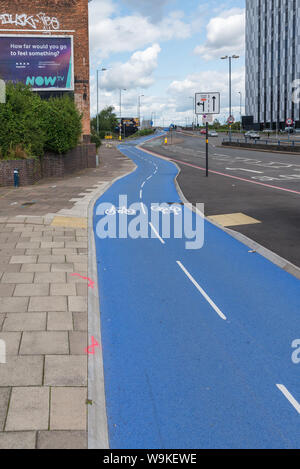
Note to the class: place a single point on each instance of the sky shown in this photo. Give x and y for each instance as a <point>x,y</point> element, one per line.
<point>166,50</point>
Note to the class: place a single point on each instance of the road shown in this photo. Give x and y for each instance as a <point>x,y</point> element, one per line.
<point>262,185</point>
<point>196,343</point>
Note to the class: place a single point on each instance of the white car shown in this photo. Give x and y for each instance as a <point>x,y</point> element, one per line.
<point>212,133</point>
<point>252,135</point>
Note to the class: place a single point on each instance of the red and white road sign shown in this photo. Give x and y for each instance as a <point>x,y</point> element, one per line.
<point>289,122</point>
<point>231,120</point>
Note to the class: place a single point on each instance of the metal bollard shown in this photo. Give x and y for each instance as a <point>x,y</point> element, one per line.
<point>16,178</point>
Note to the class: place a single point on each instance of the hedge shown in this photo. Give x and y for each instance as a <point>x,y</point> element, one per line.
<point>29,126</point>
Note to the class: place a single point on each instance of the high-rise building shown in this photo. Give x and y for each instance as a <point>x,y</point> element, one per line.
<point>272,61</point>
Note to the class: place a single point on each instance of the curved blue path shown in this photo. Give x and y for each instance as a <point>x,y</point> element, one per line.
<point>177,374</point>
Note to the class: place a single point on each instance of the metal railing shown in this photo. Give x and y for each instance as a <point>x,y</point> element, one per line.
<point>291,143</point>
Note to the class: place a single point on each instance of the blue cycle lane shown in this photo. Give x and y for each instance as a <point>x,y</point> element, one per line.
<point>196,343</point>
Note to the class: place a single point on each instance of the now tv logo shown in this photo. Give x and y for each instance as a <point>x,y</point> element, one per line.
<point>41,81</point>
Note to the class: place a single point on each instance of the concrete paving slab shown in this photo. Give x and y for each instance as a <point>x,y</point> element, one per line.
<point>33,289</point>
<point>65,370</point>
<point>13,305</point>
<point>28,409</point>
<point>17,440</point>
<point>47,303</point>
<point>12,341</point>
<point>22,371</point>
<point>44,342</point>
<point>61,440</point>
<point>25,322</point>
<point>60,321</point>
<point>68,409</point>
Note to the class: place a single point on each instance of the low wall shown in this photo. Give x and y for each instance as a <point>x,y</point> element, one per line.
<point>263,146</point>
<point>51,165</point>
<point>29,172</point>
<point>81,157</point>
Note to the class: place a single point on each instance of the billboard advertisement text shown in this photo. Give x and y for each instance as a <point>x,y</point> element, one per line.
<point>44,63</point>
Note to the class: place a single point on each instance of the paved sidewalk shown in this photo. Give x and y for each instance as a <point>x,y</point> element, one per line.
<point>43,307</point>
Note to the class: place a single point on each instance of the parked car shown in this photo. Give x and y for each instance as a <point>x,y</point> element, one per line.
<point>203,132</point>
<point>252,135</point>
<point>213,133</point>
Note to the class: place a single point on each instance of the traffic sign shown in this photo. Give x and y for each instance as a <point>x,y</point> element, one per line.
<point>207,103</point>
<point>230,120</point>
<point>289,121</point>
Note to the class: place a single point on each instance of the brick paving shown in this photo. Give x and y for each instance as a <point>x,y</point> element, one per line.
<point>44,309</point>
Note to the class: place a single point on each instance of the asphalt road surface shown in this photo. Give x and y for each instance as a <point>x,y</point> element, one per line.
<point>197,343</point>
<point>264,186</point>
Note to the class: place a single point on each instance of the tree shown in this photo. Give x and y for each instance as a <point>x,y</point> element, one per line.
<point>107,120</point>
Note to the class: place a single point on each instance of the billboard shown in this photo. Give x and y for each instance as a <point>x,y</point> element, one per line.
<point>43,62</point>
<point>130,125</point>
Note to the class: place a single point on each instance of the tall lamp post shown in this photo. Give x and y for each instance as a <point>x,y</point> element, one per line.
<point>240,93</point>
<point>120,134</point>
<point>98,72</point>
<point>139,108</point>
<point>230,97</point>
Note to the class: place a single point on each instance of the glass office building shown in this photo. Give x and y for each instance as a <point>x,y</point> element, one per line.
<point>272,62</point>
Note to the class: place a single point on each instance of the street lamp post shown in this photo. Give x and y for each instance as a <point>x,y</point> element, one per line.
<point>240,93</point>
<point>98,71</point>
<point>230,94</point>
<point>139,108</point>
<point>120,132</point>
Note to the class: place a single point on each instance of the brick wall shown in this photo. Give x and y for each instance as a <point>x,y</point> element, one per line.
<point>52,165</point>
<point>29,171</point>
<point>70,15</point>
<point>81,157</point>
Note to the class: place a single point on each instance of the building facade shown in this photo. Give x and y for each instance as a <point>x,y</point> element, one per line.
<point>272,62</point>
<point>55,18</point>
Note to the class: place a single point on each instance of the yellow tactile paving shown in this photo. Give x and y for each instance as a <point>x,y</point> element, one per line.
<point>233,219</point>
<point>69,222</point>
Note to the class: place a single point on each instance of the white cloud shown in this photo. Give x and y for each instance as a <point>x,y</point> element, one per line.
<point>225,35</point>
<point>112,33</point>
<point>209,80</point>
<point>176,104</point>
<point>136,73</point>
<point>141,35</point>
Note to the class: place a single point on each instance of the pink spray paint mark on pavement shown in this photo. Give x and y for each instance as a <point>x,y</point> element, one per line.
<point>91,282</point>
<point>91,349</point>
